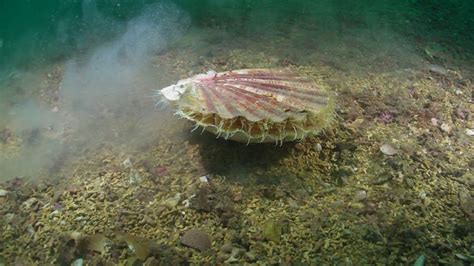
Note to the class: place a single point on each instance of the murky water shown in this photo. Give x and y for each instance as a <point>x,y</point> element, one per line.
<point>93,171</point>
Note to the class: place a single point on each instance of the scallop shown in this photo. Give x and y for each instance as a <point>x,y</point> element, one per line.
<point>253,105</point>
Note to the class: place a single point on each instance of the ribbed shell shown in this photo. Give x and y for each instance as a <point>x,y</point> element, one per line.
<point>255,94</point>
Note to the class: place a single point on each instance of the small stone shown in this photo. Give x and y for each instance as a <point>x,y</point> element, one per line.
<point>78,262</point>
<point>469,132</point>
<point>319,147</point>
<point>434,122</point>
<point>360,195</point>
<point>127,163</point>
<point>446,127</point>
<point>196,239</point>
<point>55,109</point>
<point>204,179</point>
<point>437,69</point>
<point>387,149</point>
<point>3,192</point>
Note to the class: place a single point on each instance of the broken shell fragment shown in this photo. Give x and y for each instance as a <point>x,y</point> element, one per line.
<point>253,105</point>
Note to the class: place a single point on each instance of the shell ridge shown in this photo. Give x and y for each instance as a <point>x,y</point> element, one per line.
<point>230,109</point>
<point>209,105</point>
<point>258,102</point>
<point>269,88</point>
<point>247,108</point>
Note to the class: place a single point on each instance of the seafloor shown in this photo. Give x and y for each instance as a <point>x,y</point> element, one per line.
<point>389,183</point>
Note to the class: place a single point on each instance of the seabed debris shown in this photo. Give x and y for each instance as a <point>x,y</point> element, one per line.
<point>341,197</point>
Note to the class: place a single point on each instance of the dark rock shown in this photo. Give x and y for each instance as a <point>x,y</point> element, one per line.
<point>196,239</point>
<point>203,200</point>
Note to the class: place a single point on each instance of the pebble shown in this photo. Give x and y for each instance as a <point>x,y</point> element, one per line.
<point>196,239</point>
<point>360,195</point>
<point>78,262</point>
<point>127,163</point>
<point>446,127</point>
<point>319,147</point>
<point>388,150</point>
<point>437,69</point>
<point>204,179</point>
<point>3,192</point>
<point>469,132</point>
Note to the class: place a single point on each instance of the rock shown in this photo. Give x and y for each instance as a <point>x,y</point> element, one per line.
<point>318,147</point>
<point>78,262</point>
<point>387,149</point>
<point>3,192</point>
<point>445,127</point>
<point>197,239</point>
<point>360,195</point>
<point>204,179</point>
<point>469,132</point>
<point>127,163</point>
<point>437,69</point>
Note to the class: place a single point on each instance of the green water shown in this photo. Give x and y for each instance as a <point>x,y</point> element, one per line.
<point>33,31</point>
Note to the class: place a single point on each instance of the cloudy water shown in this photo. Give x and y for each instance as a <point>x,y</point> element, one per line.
<point>96,167</point>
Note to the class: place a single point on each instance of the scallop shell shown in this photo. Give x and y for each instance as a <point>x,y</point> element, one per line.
<point>253,105</point>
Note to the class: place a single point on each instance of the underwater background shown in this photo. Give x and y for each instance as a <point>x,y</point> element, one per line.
<point>93,171</point>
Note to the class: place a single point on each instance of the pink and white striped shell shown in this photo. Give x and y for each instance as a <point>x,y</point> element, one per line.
<point>253,105</point>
